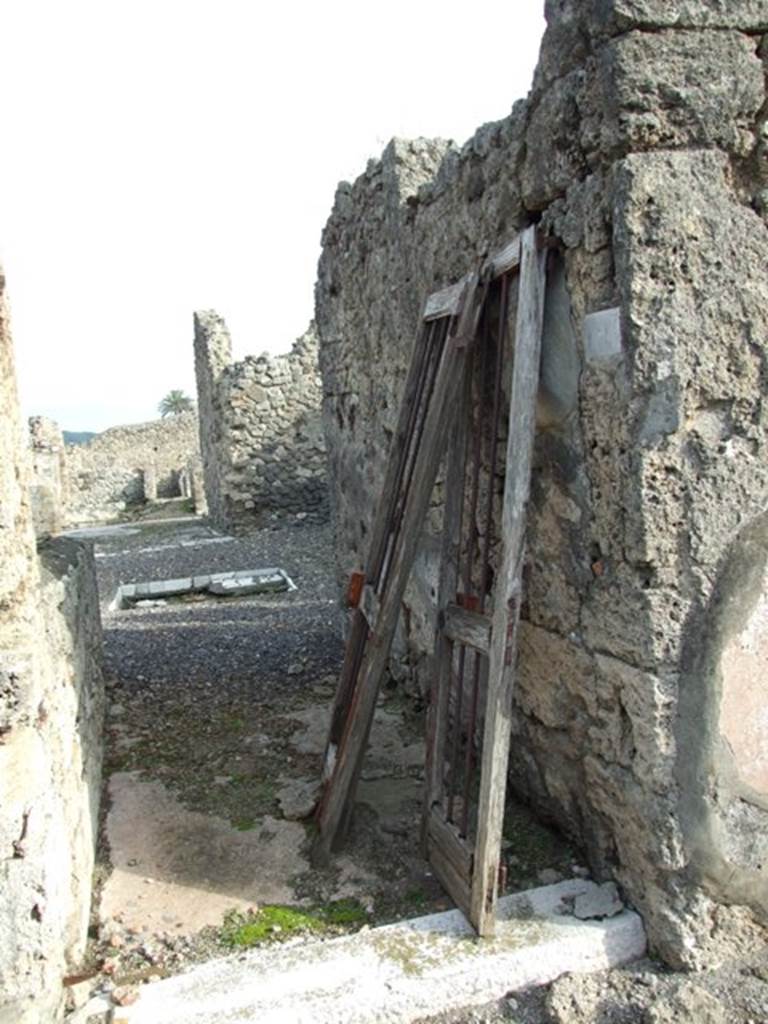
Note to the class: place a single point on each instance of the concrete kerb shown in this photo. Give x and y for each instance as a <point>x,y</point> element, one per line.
<point>400,972</point>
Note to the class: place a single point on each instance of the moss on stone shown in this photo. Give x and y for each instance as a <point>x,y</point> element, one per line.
<point>276,922</point>
<point>344,912</point>
<point>269,922</point>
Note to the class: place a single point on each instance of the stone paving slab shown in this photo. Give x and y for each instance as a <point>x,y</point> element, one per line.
<point>397,973</point>
<point>239,583</point>
<point>164,588</point>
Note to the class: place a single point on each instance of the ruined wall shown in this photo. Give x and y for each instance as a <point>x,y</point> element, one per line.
<point>48,487</point>
<point>641,149</point>
<point>261,434</point>
<point>193,485</point>
<point>124,466</point>
<point>51,706</point>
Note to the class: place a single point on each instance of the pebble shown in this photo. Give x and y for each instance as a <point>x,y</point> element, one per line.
<point>548,876</point>
<point>125,995</point>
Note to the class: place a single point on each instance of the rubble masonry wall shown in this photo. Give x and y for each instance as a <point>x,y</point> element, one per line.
<point>51,708</point>
<point>642,149</point>
<point>123,466</point>
<point>261,434</point>
<point>48,487</point>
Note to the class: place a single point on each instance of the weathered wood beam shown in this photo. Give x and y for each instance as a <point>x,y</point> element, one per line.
<point>467,627</point>
<point>507,591</point>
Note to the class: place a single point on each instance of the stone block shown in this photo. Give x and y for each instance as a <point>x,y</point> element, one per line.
<point>746,15</point>
<point>169,588</point>
<point>671,89</point>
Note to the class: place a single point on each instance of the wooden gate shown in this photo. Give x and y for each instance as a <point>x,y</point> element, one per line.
<point>454,388</point>
<point>449,325</point>
<point>479,593</point>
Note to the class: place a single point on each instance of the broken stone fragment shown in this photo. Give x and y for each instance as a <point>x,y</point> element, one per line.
<point>298,799</point>
<point>598,901</point>
<point>254,584</point>
<point>125,995</point>
<point>548,876</point>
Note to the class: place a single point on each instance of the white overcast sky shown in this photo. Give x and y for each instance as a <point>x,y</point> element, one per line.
<point>166,156</point>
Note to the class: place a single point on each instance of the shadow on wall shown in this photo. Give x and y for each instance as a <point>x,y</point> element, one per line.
<point>169,486</point>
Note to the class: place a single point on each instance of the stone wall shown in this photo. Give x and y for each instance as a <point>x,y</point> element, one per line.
<point>49,476</point>
<point>261,434</point>
<point>51,708</point>
<point>125,466</point>
<point>641,150</point>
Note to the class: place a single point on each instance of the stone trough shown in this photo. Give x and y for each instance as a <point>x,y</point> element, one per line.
<point>240,583</point>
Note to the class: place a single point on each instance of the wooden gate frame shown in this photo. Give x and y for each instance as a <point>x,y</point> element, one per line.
<point>430,409</point>
<point>449,325</point>
<point>470,870</point>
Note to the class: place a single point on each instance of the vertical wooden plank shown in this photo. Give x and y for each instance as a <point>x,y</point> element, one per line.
<point>442,667</point>
<point>358,631</point>
<point>341,788</point>
<point>507,591</point>
<point>411,451</point>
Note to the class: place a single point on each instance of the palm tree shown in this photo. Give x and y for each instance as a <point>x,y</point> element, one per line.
<point>175,402</point>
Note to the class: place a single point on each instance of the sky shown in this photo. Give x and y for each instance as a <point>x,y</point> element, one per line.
<point>166,156</point>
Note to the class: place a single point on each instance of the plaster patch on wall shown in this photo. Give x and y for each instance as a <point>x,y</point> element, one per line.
<point>744,708</point>
<point>602,335</point>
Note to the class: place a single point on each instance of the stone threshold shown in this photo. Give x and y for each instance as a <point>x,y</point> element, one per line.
<point>401,972</point>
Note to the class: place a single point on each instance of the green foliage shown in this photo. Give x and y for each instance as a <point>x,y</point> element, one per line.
<point>272,923</point>
<point>415,898</point>
<point>174,403</point>
<point>343,912</point>
<point>244,824</point>
<point>241,931</point>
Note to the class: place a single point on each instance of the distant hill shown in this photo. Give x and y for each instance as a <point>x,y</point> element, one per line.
<point>78,436</point>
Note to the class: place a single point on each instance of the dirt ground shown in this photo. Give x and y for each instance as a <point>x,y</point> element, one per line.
<point>217,718</point>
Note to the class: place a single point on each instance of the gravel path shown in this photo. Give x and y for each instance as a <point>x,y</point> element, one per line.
<point>240,642</point>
